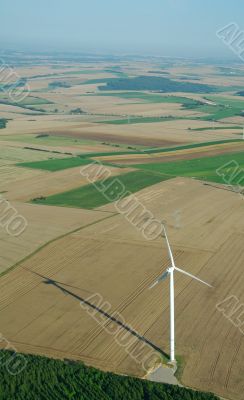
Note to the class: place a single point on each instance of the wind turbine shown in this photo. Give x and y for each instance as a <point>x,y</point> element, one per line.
<point>170,272</point>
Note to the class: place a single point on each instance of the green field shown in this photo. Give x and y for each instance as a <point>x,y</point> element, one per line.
<point>70,162</point>
<point>216,128</point>
<point>227,101</point>
<point>219,112</point>
<point>41,378</point>
<point>56,164</point>
<point>225,107</point>
<point>91,196</point>
<point>34,101</point>
<point>138,120</point>
<point>202,168</point>
<point>147,97</point>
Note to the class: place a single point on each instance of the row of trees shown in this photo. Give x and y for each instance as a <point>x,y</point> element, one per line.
<point>3,123</point>
<point>48,379</point>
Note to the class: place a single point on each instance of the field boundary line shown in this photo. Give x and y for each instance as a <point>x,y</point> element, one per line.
<point>52,241</point>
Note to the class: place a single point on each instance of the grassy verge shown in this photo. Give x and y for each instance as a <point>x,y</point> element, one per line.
<point>180,367</point>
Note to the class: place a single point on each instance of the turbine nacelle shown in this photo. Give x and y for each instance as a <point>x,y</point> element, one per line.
<point>173,267</point>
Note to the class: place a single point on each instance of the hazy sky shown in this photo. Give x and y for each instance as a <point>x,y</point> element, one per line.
<point>165,27</point>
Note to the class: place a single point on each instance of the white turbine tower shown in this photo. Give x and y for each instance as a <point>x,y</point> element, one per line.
<point>170,272</point>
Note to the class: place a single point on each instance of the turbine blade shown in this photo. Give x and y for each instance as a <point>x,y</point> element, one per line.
<point>192,276</point>
<point>161,278</point>
<point>169,249</point>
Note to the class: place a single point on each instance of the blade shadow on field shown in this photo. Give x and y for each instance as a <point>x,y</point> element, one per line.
<point>49,281</point>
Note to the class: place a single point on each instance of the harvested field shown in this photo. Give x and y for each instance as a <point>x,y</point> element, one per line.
<point>153,134</point>
<point>47,184</point>
<point>207,238</point>
<point>39,124</point>
<point>14,154</point>
<point>10,111</point>
<point>11,154</point>
<point>120,138</point>
<point>56,143</point>
<point>68,254</point>
<point>39,231</point>
<point>132,108</point>
<point>11,175</point>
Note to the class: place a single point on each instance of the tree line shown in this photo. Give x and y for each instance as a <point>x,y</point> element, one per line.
<point>48,379</point>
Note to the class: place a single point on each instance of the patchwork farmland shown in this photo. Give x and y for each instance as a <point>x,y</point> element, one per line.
<point>177,152</point>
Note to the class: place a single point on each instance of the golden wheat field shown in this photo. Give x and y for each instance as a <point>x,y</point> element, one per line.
<point>75,283</point>
<point>45,183</point>
<point>111,257</point>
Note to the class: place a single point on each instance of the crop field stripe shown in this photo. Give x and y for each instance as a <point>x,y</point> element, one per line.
<point>191,146</point>
<point>215,128</point>
<point>147,97</point>
<point>200,168</point>
<point>91,196</point>
<point>162,150</point>
<point>139,120</point>
<point>57,164</point>
<point>84,159</point>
